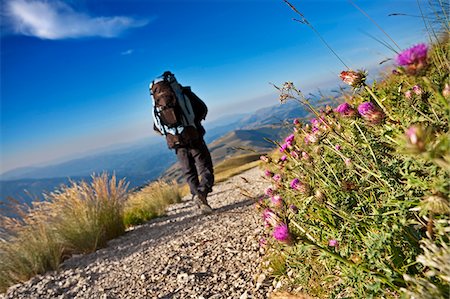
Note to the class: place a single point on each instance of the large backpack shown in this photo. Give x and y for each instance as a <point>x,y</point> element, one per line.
<point>173,112</point>
<point>166,103</point>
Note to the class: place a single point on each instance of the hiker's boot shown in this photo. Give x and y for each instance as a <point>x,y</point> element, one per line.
<point>203,204</point>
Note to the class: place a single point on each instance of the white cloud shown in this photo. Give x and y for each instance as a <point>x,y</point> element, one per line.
<point>57,20</point>
<point>127,52</point>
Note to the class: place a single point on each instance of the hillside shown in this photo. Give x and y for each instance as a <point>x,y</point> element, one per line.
<point>146,160</point>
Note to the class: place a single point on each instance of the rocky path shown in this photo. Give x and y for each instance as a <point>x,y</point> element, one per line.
<point>182,255</point>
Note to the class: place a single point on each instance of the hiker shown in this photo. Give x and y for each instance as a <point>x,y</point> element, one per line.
<point>177,114</point>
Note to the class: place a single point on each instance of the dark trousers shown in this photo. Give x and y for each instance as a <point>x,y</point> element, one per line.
<point>196,162</point>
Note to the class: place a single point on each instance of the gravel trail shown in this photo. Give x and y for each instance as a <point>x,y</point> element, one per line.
<point>182,255</point>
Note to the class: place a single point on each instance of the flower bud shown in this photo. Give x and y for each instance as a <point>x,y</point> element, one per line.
<point>446,91</point>
<point>354,79</point>
<point>370,112</point>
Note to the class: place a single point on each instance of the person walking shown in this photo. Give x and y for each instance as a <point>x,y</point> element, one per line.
<point>177,114</point>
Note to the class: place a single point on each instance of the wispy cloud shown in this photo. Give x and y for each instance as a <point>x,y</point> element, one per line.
<point>57,20</point>
<point>127,52</point>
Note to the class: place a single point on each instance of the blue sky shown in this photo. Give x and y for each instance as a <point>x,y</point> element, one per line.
<point>75,73</point>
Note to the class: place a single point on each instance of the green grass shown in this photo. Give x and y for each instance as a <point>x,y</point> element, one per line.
<point>235,166</point>
<point>150,202</point>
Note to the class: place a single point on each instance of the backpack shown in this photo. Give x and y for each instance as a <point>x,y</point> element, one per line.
<point>173,112</point>
<point>166,103</point>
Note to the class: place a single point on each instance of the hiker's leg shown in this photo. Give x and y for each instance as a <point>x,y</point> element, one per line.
<point>204,166</point>
<point>187,163</point>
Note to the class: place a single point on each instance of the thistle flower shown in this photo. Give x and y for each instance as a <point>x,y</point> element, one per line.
<point>446,91</point>
<point>277,200</point>
<point>311,138</point>
<point>353,78</point>
<point>333,243</point>
<point>295,184</point>
<point>289,139</point>
<point>288,85</point>
<point>283,147</point>
<point>408,94</point>
<point>417,90</point>
<point>319,195</point>
<point>268,191</point>
<point>281,233</point>
<point>284,97</point>
<point>262,242</point>
<point>270,218</point>
<point>416,137</point>
<point>305,156</point>
<point>337,147</point>
<point>413,59</point>
<point>283,158</point>
<point>299,186</point>
<point>264,158</point>
<point>348,162</point>
<point>370,112</point>
<point>294,154</point>
<point>276,177</point>
<point>436,204</point>
<point>293,208</point>
<point>268,173</point>
<point>345,109</point>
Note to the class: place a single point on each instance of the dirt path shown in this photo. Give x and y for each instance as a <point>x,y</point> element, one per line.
<point>182,255</point>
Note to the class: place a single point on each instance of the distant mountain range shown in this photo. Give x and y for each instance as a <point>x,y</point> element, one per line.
<point>146,160</point>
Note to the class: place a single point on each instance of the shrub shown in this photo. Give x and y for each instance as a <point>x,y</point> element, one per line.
<point>75,219</point>
<point>361,187</point>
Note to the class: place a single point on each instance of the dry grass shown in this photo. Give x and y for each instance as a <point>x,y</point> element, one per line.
<point>150,202</point>
<point>75,219</point>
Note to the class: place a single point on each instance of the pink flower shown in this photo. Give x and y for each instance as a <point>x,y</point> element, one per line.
<point>446,90</point>
<point>295,184</point>
<point>294,154</point>
<point>268,173</point>
<point>277,200</point>
<point>370,112</point>
<point>281,233</point>
<point>270,218</point>
<point>348,162</point>
<point>276,177</point>
<point>413,55</point>
<point>264,158</point>
<point>283,158</point>
<point>268,191</point>
<point>262,242</point>
<point>311,138</point>
<point>296,121</point>
<point>408,94</point>
<point>354,79</point>
<point>337,147</point>
<point>417,90</point>
<point>289,139</point>
<point>345,109</point>
<point>333,243</point>
<point>299,186</point>
<point>413,59</point>
<point>283,147</point>
<point>305,156</point>
<point>416,137</point>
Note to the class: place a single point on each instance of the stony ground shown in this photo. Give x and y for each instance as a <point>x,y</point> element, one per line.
<point>182,255</point>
